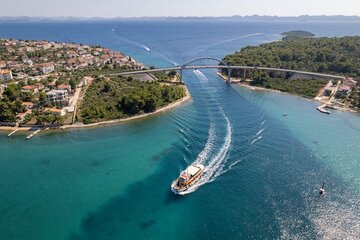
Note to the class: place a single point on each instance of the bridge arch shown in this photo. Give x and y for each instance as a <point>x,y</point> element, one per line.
<point>203,58</point>
<point>226,65</point>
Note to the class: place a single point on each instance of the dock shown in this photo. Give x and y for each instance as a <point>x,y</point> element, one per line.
<point>33,134</point>
<point>13,132</point>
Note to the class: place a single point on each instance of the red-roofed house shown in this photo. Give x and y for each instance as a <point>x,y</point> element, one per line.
<point>28,88</point>
<point>64,87</point>
<point>71,54</point>
<point>28,105</point>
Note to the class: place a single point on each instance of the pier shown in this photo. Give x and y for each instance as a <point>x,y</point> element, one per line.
<point>33,134</point>
<point>13,132</point>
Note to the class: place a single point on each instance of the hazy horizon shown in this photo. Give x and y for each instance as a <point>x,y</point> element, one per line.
<point>209,16</point>
<point>184,8</point>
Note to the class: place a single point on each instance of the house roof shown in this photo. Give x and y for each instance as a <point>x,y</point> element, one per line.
<point>28,87</point>
<point>71,61</point>
<point>63,86</point>
<point>27,104</point>
<point>345,88</point>
<point>350,80</point>
<point>47,64</point>
<point>53,110</point>
<point>5,71</point>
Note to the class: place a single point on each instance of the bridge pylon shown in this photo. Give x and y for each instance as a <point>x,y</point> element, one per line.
<point>229,75</point>
<point>181,76</point>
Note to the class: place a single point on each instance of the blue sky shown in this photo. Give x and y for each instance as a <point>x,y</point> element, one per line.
<point>137,8</point>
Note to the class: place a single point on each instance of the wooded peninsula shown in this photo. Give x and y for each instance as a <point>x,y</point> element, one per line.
<point>302,51</point>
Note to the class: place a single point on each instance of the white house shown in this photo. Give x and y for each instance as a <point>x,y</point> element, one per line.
<point>46,68</point>
<point>58,97</point>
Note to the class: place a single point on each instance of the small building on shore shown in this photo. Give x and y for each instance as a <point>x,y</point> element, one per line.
<point>343,92</point>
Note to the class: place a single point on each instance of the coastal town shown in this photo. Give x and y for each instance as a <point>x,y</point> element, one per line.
<point>41,82</point>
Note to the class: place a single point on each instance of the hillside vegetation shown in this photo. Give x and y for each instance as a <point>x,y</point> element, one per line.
<point>324,55</point>
<point>115,98</point>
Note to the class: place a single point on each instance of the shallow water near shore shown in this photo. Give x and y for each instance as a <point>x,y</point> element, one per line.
<point>113,182</point>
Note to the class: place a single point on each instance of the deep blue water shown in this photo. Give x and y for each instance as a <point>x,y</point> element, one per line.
<point>264,169</point>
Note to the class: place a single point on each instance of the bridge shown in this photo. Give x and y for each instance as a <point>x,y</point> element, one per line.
<point>223,65</point>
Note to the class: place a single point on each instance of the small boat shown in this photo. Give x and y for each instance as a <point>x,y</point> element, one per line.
<point>284,114</point>
<point>322,189</point>
<point>323,110</point>
<point>187,178</point>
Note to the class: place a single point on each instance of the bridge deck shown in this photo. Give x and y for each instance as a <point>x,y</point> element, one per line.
<point>231,67</point>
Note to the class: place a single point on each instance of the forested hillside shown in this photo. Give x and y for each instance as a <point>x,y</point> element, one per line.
<point>121,97</point>
<point>324,55</point>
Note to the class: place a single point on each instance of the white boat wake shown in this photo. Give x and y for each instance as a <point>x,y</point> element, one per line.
<point>259,132</point>
<point>213,167</point>
<point>131,41</point>
<point>200,75</point>
<point>256,139</point>
<point>145,47</point>
<point>203,155</point>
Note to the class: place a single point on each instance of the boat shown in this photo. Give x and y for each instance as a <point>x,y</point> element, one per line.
<point>187,178</point>
<point>323,110</point>
<point>322,189</point>
<point>284,114</point>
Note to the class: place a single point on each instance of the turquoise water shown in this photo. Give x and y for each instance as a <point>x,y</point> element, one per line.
<point>264,169</point>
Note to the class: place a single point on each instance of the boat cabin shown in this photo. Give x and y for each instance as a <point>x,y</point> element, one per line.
<point>186,175</point>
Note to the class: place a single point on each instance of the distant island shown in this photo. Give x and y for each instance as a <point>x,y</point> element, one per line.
<point>53,84</point>
<point>297,33</point>
<point>339,56</point>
